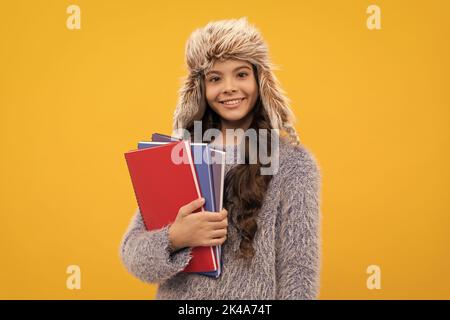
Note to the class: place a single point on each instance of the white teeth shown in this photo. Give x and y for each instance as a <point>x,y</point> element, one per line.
<point>232,102</point>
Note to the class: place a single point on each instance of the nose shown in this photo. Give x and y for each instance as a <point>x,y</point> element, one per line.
<point>229,87</point>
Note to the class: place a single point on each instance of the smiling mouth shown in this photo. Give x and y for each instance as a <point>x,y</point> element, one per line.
<point>233,102</point>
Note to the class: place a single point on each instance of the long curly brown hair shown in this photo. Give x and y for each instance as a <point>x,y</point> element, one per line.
<point>245,187</point>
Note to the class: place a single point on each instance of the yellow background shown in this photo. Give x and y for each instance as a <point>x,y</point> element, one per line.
<point>373,107</point>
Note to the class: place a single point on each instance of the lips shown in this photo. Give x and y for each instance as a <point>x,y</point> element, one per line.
<point>232,102</point>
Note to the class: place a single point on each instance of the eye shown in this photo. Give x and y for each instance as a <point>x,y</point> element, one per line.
<point>242,74</point>
<point>214,79</point>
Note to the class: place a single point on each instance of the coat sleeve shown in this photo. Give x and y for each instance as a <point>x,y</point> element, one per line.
<point>298,242</point>
<point>146,254</point>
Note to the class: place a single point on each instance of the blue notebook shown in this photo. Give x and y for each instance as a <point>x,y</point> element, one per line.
<point>201,153</point>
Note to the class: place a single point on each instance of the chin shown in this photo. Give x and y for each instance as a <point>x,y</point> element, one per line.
<point>226,115</point>
<point>237,118</point>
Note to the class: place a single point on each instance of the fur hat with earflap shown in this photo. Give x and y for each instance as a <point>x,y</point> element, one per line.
<point>231,39</point>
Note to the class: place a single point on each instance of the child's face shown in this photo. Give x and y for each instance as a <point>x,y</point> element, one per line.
<point>231,80</point>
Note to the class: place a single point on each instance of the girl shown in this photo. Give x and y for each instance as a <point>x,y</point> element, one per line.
<point>270,229</point>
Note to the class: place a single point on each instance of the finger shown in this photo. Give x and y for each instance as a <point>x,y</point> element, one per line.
<point>216,216</point>
<point>217,242</point>
<point>224,213</point>
<point>219,225</point>
<point>219,233</point>
<point>213,216</point>
<point>192,206</point>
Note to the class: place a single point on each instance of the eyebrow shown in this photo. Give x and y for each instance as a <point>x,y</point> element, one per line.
<point>218,72</point>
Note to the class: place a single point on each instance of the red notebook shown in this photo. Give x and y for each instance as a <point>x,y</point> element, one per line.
<point>163,186</point>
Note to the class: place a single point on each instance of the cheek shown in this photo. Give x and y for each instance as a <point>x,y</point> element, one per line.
<point>211,93</point>
<point>250,89</point>
<point>252,98</point>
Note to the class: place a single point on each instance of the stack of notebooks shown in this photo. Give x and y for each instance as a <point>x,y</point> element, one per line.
<point>162,186</point>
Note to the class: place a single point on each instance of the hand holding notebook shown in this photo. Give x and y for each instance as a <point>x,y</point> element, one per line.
<point>192,229</point>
